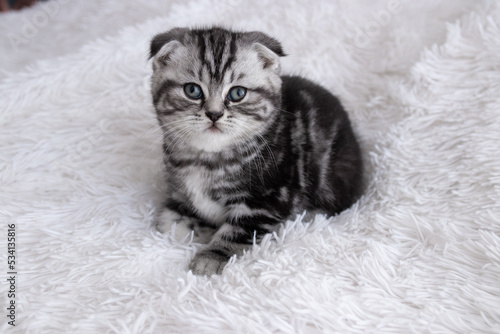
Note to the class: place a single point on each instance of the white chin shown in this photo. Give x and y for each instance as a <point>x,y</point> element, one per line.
<point>211,141</point>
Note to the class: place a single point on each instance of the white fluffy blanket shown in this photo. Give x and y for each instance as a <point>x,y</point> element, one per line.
<point>81,175</point>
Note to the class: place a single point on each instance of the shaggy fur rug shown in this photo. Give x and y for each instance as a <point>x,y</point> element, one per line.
<point>81,174</point>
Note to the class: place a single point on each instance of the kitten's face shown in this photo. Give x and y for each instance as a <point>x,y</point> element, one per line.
<point>214,89</point>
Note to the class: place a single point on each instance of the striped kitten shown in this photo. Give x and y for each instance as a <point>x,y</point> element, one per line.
<point>244,147</point>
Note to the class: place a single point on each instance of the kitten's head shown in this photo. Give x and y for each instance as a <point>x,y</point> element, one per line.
<point>214,88</point>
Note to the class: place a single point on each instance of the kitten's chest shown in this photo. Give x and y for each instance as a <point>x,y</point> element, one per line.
<point>199,184</point>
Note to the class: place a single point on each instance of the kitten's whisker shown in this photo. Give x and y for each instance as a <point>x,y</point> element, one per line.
<point>285,111</point>
<point>269,150</point>
<point>259,161</point>
<point>174,130</point>
<point>182,133</point>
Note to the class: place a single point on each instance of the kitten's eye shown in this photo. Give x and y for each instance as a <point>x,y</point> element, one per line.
<point>236,94</point>
<point>193,91</point>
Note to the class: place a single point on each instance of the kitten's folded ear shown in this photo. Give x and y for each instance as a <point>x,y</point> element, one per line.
<point>269,42</point>
<point>268,49</point>
<point>163,44</point>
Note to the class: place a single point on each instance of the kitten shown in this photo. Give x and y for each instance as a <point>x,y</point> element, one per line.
<point>244,148</point>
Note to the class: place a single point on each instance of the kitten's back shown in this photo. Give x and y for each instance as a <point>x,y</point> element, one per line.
<point>330,154</point>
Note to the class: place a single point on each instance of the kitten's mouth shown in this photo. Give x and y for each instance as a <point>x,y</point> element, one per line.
<point>213,128</point>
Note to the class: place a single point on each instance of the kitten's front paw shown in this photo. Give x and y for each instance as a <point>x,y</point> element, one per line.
<point>171,222</point>
<point>208,262</point>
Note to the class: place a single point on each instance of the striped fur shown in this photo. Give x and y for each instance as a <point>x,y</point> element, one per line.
<point>287,146</point>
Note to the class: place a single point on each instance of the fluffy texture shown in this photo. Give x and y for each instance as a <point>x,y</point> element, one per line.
<point>80,175</point>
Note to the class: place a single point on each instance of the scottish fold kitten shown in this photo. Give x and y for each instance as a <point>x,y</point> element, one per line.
<point>244,147</point>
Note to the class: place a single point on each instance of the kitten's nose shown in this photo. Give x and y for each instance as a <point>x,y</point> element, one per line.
<point>214,115</point>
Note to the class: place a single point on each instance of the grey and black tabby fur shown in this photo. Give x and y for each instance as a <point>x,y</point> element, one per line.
<point>238,167</point>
